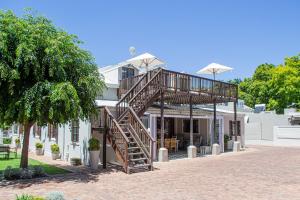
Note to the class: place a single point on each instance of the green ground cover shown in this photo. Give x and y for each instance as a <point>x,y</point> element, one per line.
<point>15,162</point>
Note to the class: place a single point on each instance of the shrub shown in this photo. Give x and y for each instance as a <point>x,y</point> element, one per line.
<point>28,197</point>
<point>54,148</point>
<point>16,173</point>
<point>11,173</point>
<point>75,161</point>
<point>26,174</point>
<point>55,196</point>
<point>38,171</point>
<point>38,145</point>
<point>6,140</point>
<point>25,197</point>
<point>94,144</point>
<point>39,198</point>
<point>226,139</point>
<point>17,141</point>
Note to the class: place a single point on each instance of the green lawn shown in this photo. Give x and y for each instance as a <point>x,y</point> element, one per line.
<point>15,162</point>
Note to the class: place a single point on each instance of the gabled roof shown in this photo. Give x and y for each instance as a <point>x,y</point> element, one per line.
<point>112,67</point>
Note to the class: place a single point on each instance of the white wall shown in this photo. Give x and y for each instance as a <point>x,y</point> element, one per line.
<point>78,149</point>
<point>68,149</point>
<point>286,135</point>
<point>109,94</point>
<point>47,142</point>
<point>260,125</point>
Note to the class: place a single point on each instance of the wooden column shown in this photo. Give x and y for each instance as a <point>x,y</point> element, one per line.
<point>191,122</point>
<point>162,120</point>
<point>235,113</point>
<point>104,140</point>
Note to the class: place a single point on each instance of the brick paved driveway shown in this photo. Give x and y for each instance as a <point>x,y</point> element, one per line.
<point>257,173</point>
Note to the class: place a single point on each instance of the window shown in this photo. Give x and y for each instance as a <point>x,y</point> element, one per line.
<point>75,131</point>
<point>127,72</point>
<point>52,131</point>
<point>144,120</point>
<point>231,124</point>
<point>186,126</point>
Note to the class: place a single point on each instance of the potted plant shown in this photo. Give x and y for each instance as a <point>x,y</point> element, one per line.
<point>55,151</point>
<point>94,150</point>
<point>38,148</point>
<point>75,161</point>
<point>17,142</point>
<point>226,139</point>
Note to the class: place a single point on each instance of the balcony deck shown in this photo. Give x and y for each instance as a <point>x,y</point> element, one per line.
<point>179,87</point>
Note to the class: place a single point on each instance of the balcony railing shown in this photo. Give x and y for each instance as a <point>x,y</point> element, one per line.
<point>181,82</point>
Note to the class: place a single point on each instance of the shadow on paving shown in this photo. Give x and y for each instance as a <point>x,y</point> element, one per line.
<point>82,175</point>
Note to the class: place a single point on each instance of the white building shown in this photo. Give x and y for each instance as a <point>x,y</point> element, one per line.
<point>73,137</point>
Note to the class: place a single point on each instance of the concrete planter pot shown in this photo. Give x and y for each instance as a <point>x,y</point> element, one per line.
<point>94,159</point>
<point>39,151</point>
<point>230,145</point>
<point>55,155</point>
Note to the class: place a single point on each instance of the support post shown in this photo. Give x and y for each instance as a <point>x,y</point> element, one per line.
<point>163,152</point>
<point>235,122</point>
<point>215,124</point>
<point>192,150</point>
<point>191,123</point>
<point>236,144</point>
<point>104,141</point>
<point>162,120</point>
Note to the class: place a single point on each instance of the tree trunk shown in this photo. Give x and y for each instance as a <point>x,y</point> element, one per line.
<point>24,156</point>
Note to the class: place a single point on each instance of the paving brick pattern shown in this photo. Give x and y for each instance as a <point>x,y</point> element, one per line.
<point>257,173</point>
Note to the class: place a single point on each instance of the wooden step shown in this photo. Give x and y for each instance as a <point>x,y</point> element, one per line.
<point>140,166</point>
<point>137,159</point>
<point>133,154</point>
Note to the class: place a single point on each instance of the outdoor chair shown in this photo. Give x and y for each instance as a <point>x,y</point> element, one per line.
<point>173,145</point>
<point>4,150</point>
<point>167,143</point>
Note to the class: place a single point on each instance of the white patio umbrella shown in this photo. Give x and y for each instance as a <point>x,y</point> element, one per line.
<point>214,69</point>
<point>145,60</point>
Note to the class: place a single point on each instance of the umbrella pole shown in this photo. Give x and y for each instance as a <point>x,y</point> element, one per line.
<point>215,113</point>
<point>148,74</point>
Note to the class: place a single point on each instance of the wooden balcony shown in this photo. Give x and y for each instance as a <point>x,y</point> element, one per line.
<point>178,87</point>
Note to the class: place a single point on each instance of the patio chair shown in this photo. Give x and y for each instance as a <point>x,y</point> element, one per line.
<point>167,143</point>
<point>5,151</point>
<point>173,145</point>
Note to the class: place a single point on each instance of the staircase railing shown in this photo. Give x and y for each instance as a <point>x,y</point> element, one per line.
<point>143,137</point>
<point>123,103</point>
<point>145,96</point>
<point>117,137</point>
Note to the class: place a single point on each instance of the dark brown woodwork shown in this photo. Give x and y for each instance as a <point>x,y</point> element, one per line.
<point>140,92</point>
<point>162,120</point>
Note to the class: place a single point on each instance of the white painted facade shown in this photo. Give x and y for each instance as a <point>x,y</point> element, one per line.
<point>112,75</point>
<point>269,128</point>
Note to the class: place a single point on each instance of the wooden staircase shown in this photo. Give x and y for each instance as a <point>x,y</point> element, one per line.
<point>129,137</point>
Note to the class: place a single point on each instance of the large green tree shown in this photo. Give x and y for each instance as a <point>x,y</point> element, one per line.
<point>45,77</point>
<point>276,86</point>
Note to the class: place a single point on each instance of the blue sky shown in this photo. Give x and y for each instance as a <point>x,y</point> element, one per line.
<point>187,35</point>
